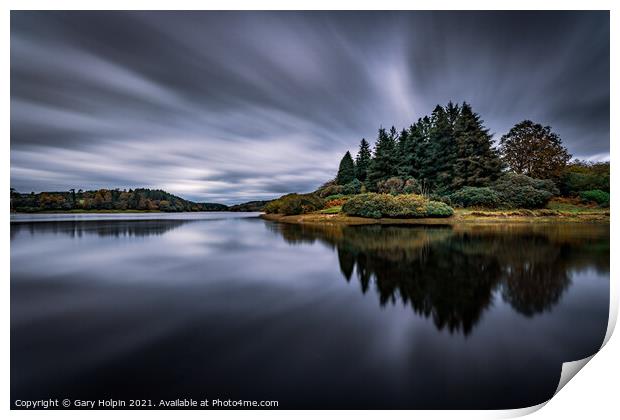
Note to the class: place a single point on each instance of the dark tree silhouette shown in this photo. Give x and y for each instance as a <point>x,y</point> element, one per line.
<point>383,163</point>
<point>362,161</point>
<point>346,170</point>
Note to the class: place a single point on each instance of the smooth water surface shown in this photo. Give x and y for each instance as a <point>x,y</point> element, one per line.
<point>223,305</point>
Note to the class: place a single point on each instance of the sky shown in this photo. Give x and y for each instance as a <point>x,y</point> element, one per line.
<point>236,106</point>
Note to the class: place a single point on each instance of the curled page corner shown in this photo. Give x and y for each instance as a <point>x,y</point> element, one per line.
<point>520,412</point>
<point>614,295</point>
<point>570,369</point>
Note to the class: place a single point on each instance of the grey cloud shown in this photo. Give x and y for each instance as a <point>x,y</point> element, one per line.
<point>234,106</point>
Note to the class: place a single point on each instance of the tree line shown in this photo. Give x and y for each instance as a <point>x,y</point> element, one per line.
<point>141,199</point>
<point>451,149</point>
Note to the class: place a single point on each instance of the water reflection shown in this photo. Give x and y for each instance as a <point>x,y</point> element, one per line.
<point>452,274</point>
<point>236,307</point>
<point>117,229</point>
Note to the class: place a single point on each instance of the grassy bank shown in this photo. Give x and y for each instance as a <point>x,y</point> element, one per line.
<point>461,216</point>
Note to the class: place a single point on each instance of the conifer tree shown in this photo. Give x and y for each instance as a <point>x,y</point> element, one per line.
<point>478,162</point>
<point>453,112</point>
<point>383,163</point>
<point>362,161</point>
<point>451,149</point>
<point>401,153</point>
<point>346,170</point>
<point>442,151</point>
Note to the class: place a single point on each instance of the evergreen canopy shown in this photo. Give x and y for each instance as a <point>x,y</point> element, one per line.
<point>346,170</point>
<point>445,151</point>
<point>362,160</point>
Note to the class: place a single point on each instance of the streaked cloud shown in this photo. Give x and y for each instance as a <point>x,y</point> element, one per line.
<point>235,106</point>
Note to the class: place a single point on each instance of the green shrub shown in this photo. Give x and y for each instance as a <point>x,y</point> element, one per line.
<point>546,185</point>
<point>438,209</point>
<point>335,197</point>
<point>412,186</point>
<point>584,176</point>
<point>330,190</point>
<point>295,204</point>
<point>363,205</point>
<point>476,197</point>
<point>392,185</point>
<point>397,185</point>
<point>521,191</point>
<point>353,187</point>
<point>387,205</point>
<point>527,198</point>
<point>598,196</point>
<point>442,198</point>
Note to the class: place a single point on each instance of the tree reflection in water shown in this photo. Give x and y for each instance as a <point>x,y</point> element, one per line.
<point>452,274</point>
<point>101,228</point>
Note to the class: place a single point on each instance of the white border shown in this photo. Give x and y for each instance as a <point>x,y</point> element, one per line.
<point>594,393</point>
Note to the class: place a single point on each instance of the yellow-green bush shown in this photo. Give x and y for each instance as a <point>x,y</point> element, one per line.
<point>295,204</point>
<point>399,206</point>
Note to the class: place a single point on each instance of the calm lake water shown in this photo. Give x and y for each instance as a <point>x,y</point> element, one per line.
<point>227,305</point>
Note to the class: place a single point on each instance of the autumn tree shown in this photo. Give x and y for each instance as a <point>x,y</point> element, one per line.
<point>531,149</point>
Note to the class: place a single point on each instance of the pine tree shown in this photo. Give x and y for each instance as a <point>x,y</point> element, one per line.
<point>448,150</point>
<point>362,161</point>
<point>478,163</point>
<point>346,170</point>
<point>383,163</point>
<point>442,151</point>
<point>453,111</point>
<point>403,146</point>
<point>395,140</point>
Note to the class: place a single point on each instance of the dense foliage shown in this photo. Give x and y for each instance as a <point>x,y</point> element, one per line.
<point>249,206</point>
<point>521,191</point>
<point>584,176</point>
<point>449,157</point>
<point>597,196</point>
<point>362,160</point>
<point>534,150</point>
<point>353,187</point>
<point>397,185</point>
<point>509,191</point>
<point>329,189</point>
<point>295,204</point>
<point>104,199</point>
<point>439,153</point>
<point>386,205</point>
<point>476,197</point>
<point>346,170</point>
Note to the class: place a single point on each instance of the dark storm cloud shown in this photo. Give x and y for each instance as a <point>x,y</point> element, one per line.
<point>233,106</point>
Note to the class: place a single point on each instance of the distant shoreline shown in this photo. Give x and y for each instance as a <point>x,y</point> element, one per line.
<point>122,211</point>
<point>461,216</point>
